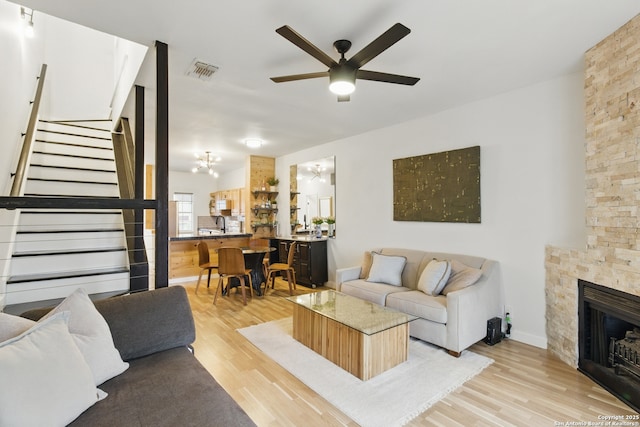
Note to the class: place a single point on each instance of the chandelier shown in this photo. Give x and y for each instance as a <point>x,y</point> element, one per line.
<point>317,172</point>
<point>206,162</point>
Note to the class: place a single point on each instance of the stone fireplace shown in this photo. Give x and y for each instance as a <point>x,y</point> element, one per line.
<point>612,194</point>
<point>609,339</point>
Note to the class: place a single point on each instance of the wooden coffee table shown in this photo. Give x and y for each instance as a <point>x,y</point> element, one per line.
<point>362,338</point>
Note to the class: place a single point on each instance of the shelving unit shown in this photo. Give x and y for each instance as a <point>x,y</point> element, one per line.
<point>293,197</point>
<point>264,213</point>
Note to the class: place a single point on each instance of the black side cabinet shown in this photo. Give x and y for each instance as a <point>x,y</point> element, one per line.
<point>310,260</point>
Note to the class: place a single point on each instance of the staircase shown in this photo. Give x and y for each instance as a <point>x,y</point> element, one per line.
<point>57,251</point>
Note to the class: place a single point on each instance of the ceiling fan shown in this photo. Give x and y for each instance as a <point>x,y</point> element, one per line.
<point>343,74</point>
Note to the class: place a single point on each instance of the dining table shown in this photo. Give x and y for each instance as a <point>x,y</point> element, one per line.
<point>253,259</point>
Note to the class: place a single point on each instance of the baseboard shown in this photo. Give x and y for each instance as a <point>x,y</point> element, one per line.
<point>178,280</point>
<point>534,340</point>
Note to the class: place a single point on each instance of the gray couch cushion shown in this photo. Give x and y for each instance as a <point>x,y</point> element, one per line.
<point>412,268</point>
<point>169,388</point>
<point>370,291</point>
<point>146,322</point>
<point>420,304</point>
<point>167,309</point>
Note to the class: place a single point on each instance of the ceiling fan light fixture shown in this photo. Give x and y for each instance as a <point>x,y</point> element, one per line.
<point>342,81</point>
<point>342,87</point>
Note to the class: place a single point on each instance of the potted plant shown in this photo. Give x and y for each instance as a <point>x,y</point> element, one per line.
<point>273,183</point>
<point>317,221</point>
<point>331,222</point>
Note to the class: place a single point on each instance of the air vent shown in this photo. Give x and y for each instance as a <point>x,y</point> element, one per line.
<point>201,70</point>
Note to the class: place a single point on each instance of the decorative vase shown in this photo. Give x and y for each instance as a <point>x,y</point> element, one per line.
<point>273,188</point>
<point>331,230</point>
<point>318,231</point>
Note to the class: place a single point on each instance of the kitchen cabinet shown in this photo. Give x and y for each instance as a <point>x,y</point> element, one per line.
<point>309,262</point>
<point>227,202</point>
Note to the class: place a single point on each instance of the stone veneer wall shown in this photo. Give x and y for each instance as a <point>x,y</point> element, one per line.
<point>612,256</point>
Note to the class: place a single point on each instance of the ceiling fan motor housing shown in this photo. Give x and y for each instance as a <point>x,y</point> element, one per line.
<point>342,46</point>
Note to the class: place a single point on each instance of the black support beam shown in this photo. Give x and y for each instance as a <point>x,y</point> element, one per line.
<point>162,165</point>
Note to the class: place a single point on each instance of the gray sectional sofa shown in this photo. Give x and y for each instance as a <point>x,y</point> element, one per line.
<point>453,321</point>
<point>165,384</point>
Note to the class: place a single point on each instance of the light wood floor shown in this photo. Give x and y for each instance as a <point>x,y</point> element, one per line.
<point>524,387</point>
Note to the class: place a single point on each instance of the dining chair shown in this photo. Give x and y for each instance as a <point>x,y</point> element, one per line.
<point>231,264</point>
<point>204,262</point>
<point>280,267</point>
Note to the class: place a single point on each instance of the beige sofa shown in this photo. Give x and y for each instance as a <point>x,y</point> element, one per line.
<point>453,321</point>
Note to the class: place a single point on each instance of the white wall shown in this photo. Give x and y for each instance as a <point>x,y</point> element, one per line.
<point>128,58</point>
<point>17,87</point>
<point>80,77</point>
<point>200,184</point>
<point>232,179</point>
<point>532,181</point>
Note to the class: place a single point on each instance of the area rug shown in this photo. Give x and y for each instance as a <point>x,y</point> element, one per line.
<point>392,398</point>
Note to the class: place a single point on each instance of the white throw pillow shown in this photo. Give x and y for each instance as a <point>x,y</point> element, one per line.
<point>386,269</point>
<point>462,276</point>
<point>44,378</point>
<point>12,326</point>
<point>92,335</point>
<point>434,277</point>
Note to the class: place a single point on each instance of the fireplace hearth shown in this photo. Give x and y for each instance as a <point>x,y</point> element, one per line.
<point>609,340</point>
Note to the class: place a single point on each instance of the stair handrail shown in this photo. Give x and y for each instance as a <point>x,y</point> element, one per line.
<point>124,153</point>
<point>21,168</point>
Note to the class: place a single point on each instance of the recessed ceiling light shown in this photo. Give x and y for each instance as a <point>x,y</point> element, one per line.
<point>253,142</point>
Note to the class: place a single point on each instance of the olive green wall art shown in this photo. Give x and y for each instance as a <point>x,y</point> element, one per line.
<point>438,187</point>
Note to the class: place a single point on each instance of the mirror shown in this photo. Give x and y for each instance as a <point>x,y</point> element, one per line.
<point>314,189</point>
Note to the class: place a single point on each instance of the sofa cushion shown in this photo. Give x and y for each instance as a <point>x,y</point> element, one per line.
<point>169,388</point>
<point>434,277</point>
<point>386,269</point>
<point>145,322</point>
<point>92,336</point>
<point>12,326</point>
<point>45,379</point>
<point>420,304</point>
<point>374,292</point>
<point>462,276</point>
<point>366,264</point>
<point>412,269</point>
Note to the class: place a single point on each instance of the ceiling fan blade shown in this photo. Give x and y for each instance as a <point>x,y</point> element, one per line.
<point>289,33</point>
<point>305,76</point>
<point>386,77</point>
<point>344,98</point>
<point>379,45</point>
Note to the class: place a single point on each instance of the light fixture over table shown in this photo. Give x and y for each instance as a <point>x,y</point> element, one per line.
<point>208,161</point>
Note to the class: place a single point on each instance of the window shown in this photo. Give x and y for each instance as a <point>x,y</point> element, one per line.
<point>184,211</point>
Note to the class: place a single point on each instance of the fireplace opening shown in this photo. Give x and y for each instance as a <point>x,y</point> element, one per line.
<point>609,340</point>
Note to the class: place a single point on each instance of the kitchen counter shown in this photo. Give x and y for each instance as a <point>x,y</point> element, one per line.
<point>183,250</point>
<point>302,238</point>
<point>207,236</point>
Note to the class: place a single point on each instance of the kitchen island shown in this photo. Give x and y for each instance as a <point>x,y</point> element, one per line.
<point>183,250</point>
<point>310,260</point>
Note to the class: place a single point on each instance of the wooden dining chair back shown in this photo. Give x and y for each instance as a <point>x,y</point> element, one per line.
<point>287,268</point>
<point>204,262</point>
<point>231,264</point>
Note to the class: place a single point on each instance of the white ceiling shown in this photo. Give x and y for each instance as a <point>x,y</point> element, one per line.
<point>462,50</point>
